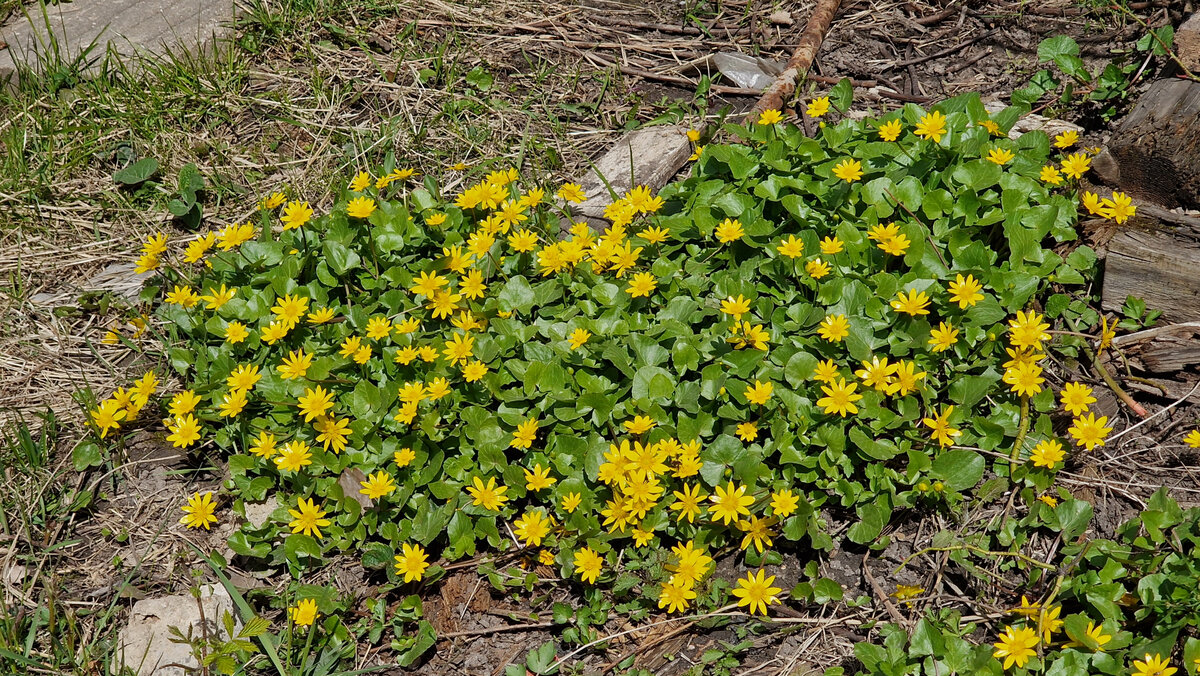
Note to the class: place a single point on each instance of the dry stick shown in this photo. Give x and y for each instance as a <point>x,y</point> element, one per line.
<point>497,630</point>
<point>944,52</point>
<point>801,61</point>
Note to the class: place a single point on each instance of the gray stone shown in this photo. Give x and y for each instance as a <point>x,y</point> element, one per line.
<point>126,27</point>
<point>257,513</point>
<point>145,645</point>
<point>649,156</point>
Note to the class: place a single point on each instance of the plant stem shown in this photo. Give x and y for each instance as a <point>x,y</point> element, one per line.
<point>1022,430</point>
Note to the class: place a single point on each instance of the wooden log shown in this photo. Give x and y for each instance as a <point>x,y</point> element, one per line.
<point>1157,266</point>
<point>1163,349</point>
<point>1155,154</point>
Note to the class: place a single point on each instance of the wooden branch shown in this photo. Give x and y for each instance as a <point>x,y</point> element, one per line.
<point>801,61</point>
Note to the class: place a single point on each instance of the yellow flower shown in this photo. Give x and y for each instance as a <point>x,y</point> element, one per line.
<point>232,403</point>
<point>730,230</point>
<point>578,338</point>
<point>1001,156</point>
<point>839,398</point>
<point>272,201</point>
<point>1089,431</point>
<point>1016,646</point>
<point>792,247</point>
<point>1066,139</point>
<point>185,431</point>
<point>525,434</point>
<point>1095,633</point>
<point>295,365</point>
<point>532,528</point>
<point>264,445</point>
<point>304,613</point>
<point>755,590</point>
<point>1076,165</point>
<point>474,371</point>
<point>848,170</point>
<point>687,502</point>
<point>293,457</point>
<point>307,518</point>
<point>570,502</point>
<point>588,564</point>
<point>675,596</point>
<point>891,130</point>
<point>654,235</point>
<point>489,496</point>
<point>747,431</point>
<point>571,192</point>
<point>1076,397</point>
<point>915,303</point>
<point>831,246</point>
<point>183,402</point>
<point>108,416</point>
<point>1046,454</point>
<point>404,457</point>
<point>411,562</point>
<point>200,511</point>
<point>1027,330</point>
<point>965,291</point>
<point>904,592</point>
<point>759,393</point>
<point>1119,208</point>
<point>360,207</point>
<point>642,284</point>
<point>834,328</point>
<point>943,337</point>
<point>932,126</point>
<point>1050,174</point>
<point>784,503</point>
<point>295,215</point>
<point>735,307</point>
<point>770,116</point>
<point>991,127</point>
<point>877,373</point>
<point>895,246</point>
<point>360,182</point>
<point>729,503</point>
<point>639,425</point>
<point>538,478</point>
<point>377,485</point>
<point>1091,202</point>
<point>692,564</point>
<point>817,268</point>
<point>818,107</point>
<point>757,532</point>
<point>1153,666</point>
<point>1192,439</point>
<point>215,298</point>
<point>942,433</point>
<point>315,402</point>
<point>1024,378</point>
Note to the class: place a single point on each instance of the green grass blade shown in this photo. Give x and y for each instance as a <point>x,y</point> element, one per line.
<point>266,638</point>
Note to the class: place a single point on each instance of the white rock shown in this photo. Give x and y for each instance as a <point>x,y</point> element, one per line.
<point>145,644</point>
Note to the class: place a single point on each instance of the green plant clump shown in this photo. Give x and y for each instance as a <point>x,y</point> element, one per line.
<point>845,326</point>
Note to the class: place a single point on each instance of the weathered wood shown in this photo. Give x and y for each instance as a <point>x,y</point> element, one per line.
<point>1158,267</point>
<point>1163,349</point>
<point>1187,43</point>
<point>1155,154</point>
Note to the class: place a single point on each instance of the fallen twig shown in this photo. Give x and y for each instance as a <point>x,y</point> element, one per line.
<point>802,58</point>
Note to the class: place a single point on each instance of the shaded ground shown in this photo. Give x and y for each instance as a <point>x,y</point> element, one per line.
<point>312,91</point>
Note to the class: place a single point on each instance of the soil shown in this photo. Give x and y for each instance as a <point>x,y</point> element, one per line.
<point>132,545</point>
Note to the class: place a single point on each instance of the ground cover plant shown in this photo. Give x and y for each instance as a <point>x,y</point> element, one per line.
<point>801,341</point>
